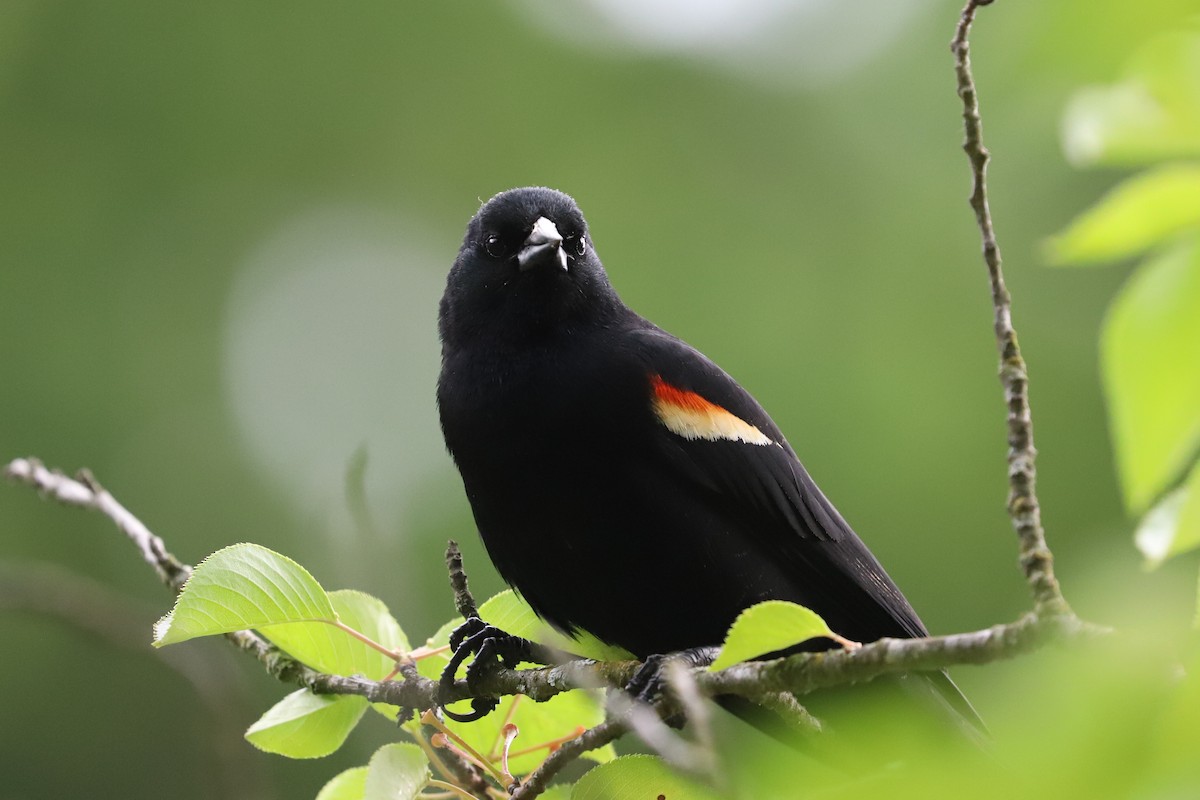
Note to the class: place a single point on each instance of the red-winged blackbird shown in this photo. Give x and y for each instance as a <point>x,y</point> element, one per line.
<point>622,482</point>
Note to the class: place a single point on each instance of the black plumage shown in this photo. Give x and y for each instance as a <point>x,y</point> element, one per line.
<point>622,482</point>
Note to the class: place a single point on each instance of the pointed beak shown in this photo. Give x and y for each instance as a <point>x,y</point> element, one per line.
<point>542,247</point>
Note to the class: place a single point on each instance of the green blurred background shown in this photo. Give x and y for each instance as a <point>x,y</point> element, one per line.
<point>224,230</point>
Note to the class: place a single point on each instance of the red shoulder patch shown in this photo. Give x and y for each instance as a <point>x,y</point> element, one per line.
<point>691,416</point>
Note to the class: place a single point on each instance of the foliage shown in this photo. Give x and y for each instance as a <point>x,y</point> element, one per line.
<point>1125,708</point>
<point>767,627</point>
<point>1150,344</point>
<point>350,633</point>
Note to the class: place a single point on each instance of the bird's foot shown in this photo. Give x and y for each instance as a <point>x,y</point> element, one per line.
<point>493,649</point>
<point>648,682</point>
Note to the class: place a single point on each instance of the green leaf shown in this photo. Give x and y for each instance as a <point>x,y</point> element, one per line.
<point>1173,525</point>
<point>1172,746</point>
<point>1152,114</point>
<point>1187,533</point>
<point>348,785</point>
<point>307,725</point>
<point>1139,213</point>
<point>328,649</point>
<point>1150,349</point>
<point>508,612</point>
<point>432,666</point>
<point>639,776</point>
<point>1156,531</point>
<point>396,772</point>
<point>767,627</point>
<point>243,586</point>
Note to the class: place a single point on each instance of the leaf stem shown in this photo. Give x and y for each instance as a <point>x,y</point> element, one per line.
<point>431,719</point>
<point>549,745</point>
<point>426,652</point>
<point>498,742</point>
<point>395,655</point>
<point>450,787</point>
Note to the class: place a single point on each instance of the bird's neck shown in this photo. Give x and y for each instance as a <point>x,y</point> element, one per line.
<point>519,327</point>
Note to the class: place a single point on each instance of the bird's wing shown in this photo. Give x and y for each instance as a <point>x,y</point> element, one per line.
<point>713,431</point>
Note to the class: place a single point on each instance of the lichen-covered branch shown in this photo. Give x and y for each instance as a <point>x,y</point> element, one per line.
<point>809,672</point>
<point>610,730</point>
<point>1036,559</point>
<point>464,602</point>
<point>84,491</point>
<point>798,675</point>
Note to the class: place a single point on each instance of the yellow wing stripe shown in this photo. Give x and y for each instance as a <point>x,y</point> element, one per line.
<point>691,416</point>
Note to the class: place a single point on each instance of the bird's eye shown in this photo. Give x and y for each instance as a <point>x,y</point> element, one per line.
<point>493,246</point>
<point>580,245</point>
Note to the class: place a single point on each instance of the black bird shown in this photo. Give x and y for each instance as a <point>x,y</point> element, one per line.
<point>622,482</point>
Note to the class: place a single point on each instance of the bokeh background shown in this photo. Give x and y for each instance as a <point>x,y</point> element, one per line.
<point>224,230</point>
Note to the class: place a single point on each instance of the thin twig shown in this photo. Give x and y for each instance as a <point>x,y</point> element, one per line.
<point>87,493</point>
<point>455,744</point>
<point>454,766</point>
<point>608,731</point>
<point>646,721</point>
<point>463,601</point>
<point>795,716</point>
<point>1036,559</point>
<point>451,789</point>
<point>808,672</point>
<point>698,713</point>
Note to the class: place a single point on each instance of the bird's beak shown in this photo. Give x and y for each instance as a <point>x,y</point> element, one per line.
<point>543,246</point>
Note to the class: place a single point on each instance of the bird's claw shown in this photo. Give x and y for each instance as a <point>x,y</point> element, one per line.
<point>492,648</point>
<point>648,683</point>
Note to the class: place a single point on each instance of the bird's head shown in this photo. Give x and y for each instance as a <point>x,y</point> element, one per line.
<point>526,268</point>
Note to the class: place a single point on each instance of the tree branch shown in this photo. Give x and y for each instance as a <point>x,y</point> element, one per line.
<point>464,602</point>
<point>798,674</point>
<point>1023,509</point>
<point>809,672</point>
<point>84,491</point>
<point>764,682</point>
<point>610,730</point>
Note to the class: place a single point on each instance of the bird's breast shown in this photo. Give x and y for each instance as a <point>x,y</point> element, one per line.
<point>554,398</point>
